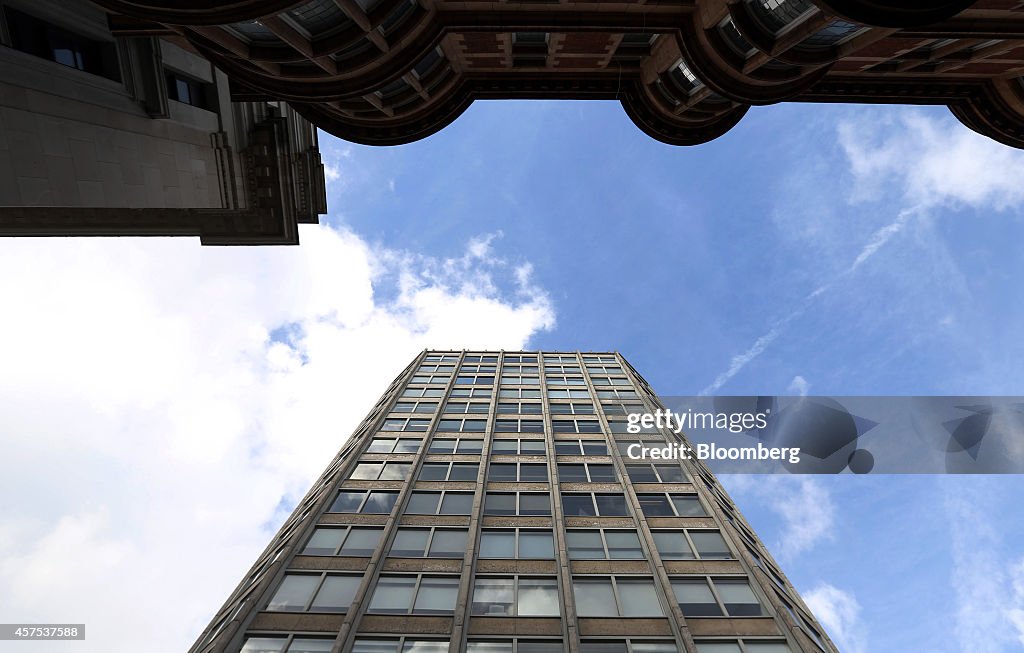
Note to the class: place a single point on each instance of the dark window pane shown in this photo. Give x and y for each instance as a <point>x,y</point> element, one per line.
<point>671,474</point>
<point>335,594</point>
<point>502,472</point>
<point>347,501</point>
<point>423,503</point>
<point>463,472</point>
<point>534,504</point>
<point>602,473</point>
<point>641,474</point>
<point>499,504</point>
<point>433,471</point>
<point>612,505</point>
<point>595,448</point>
<point>578,505</point>
<point>457,503</point>
<point>688,505</point>
<point>655,505</point>
<point>569,473</point>
<point>533,473</point>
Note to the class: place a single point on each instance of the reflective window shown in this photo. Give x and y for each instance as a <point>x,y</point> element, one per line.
<point>517,503</point>
<point>514,543</point>
<point>429,542</point>
<point>419,594</point>
<point>598,544</point>
<point>515,596</point>
<point>623,596</point>
<point>314,593</point>
<point>440,503</point>
<point>343,541</point>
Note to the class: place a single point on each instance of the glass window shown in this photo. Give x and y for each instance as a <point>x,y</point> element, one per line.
<point>410,542</point>
<point>738,598</point>
<point>456,503</point>
<point>436,595</point>
<point>498,544</point>
<point>594,597</point>
<point>536,544</point>
<point>695,598</point>
<point>534,504</point>
<point>335,595</point>
<point>294,592</point>
<point>498,503</point>
<point>530,472</point>
<point>688,505</point>
<point>361,541</point>
<point>448,543</point>
<point>611,505</point>
<point>493,596</point>
<point>502,472</point>
<point>264,645</point>
<point>578,505</point>
<point>393,594</point>
<point>638,597</point>
<point>538,597</point>
<point>623,545</point>
<point>572,473</point>
<point>710,545</point>
<point>655,505</point>
<point>380,503</point>
<point>584,544</point>
<point>672,545</point>
<point>718,647</point>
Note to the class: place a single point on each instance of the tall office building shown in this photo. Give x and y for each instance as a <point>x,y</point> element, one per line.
<point>487,505</point>
<point>685,71</point>
<point>109,135</point>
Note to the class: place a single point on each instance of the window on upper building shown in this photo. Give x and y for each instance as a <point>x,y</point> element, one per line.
<point>617,393</point>
<point>381,471</point>
<point>703,597</point>
<point>594,505</point>
<point>48,41</point>
<point>513,543</point>
<point>521,446</point>
<point>462,425</point>
<point>671,505</point>
<point>518,358</point>
<point>519,408</point>
<point>690,544</point>
<point>603,544</point>
<point>519,426</point>
<point>455,446</point>
<point>581,447</point>
<point>394,445</point>
<point>415,407</point>
<point>415,424</point>
<point>475,393</point>
<point>379,502</point>
<point>464,407</point>
<point>515,596</point>
<point>398,645</point>
<point>656,473</point>
<point>520,645</point>
<point>439,503</point>
<point>519,393</point>
<point>621,596</point>
<point>478,358</point>
<point>474,379</point>
<point>568,394</point>
<point>476,368</point>
<point>575,426</point>
<point>628,646</point>
<point>517,503</point>
<point>749,646</point>
<point>358,541</point>
<point>423,392</point>
<point>414,594</point>
<point>575,408</point>
<point>412,542</point>
<point>315,592</point>
<point>586,473</point>
<point>449,471</point>
<point>517,472</point>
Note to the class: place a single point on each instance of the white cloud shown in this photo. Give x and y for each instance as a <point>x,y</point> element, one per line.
<point>1015,611</point>
<point>930,161</point>
<point>839,612</point>
<point>151,425</point>
<point>987,586</point>
<point>798,386</point>
<point>804,505</point>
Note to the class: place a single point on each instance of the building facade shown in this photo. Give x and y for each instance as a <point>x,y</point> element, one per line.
<point>113,135</point>
<point>487,505</point>
<point>393,71</point>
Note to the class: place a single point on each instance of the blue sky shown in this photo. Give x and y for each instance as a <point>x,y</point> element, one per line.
<point>815,248</point>
<point>153,389</point>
